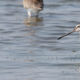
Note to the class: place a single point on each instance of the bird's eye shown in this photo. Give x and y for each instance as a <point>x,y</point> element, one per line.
<point>78,26</point>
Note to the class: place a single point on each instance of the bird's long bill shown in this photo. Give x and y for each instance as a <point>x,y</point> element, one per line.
<point>66,34</point>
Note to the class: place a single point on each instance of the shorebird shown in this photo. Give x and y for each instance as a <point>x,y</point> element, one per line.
<point>33,7</point>
<point>76,29</point>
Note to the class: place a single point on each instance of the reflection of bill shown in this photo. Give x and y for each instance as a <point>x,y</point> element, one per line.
<point>33,21</point>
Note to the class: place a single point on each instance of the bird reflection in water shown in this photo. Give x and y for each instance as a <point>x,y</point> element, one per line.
<point>33,21</point>
<point>33,26</point>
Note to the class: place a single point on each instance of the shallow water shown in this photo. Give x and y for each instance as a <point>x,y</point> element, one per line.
<point>31,51</point>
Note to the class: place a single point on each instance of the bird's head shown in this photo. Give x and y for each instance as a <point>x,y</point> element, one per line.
<point>77,28</point>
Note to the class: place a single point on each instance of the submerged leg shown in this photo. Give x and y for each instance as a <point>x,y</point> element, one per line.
<point>33,13</point>
<point>29,13</point>
<point>36,13</point>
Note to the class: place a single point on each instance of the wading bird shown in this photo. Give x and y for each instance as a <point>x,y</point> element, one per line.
<point>76,29</point>
<point>33,7</point>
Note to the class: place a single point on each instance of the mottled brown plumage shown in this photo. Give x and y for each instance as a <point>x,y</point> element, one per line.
<point>35,4</point>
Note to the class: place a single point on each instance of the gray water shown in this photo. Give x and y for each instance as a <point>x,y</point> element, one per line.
<point>29,49</point>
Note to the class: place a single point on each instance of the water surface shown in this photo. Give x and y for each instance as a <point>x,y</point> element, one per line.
<point>31,51</point>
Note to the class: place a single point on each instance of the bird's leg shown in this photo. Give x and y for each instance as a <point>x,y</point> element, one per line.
<point>29,13</point>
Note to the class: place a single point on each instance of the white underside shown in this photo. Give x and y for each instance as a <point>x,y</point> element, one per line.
<point>32,12</point>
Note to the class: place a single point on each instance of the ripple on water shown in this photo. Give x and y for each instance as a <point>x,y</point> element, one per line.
<point>29,49</point>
